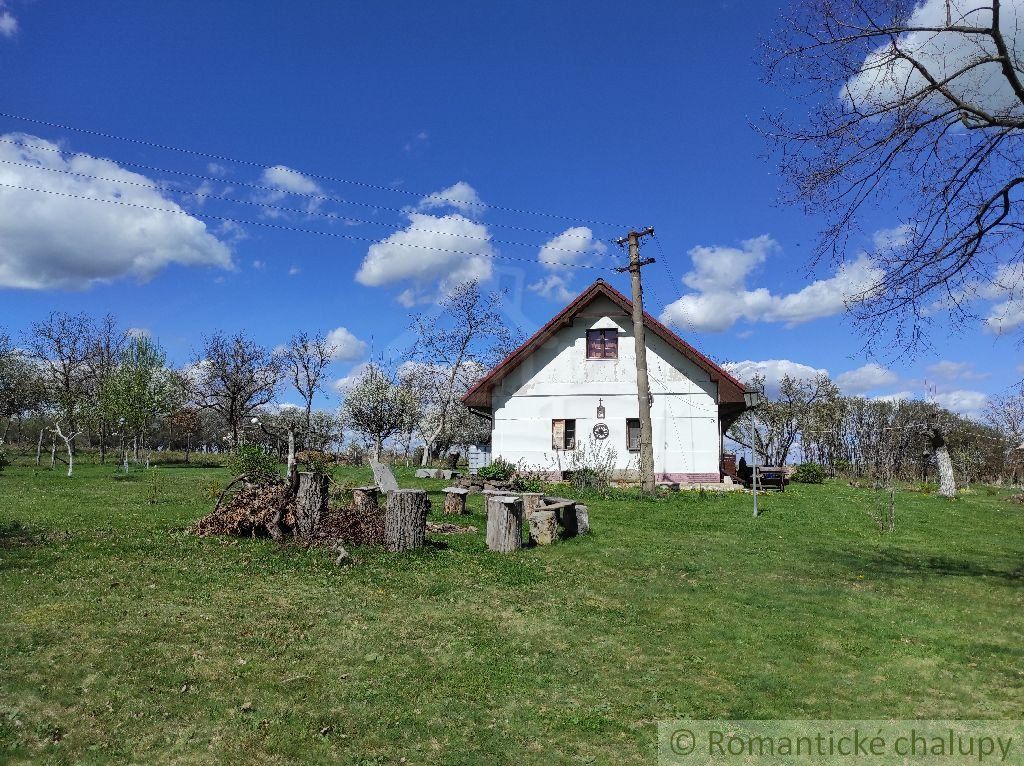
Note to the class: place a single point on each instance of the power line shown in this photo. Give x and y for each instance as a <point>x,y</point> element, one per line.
<point>267,225</point>
<point>277,189</point>
<point>318,176</point>
<point>280,208</point>
<point>672,281</point>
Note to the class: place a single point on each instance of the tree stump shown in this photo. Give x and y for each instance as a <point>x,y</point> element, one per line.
<point>405,521</point>
<point>365,500</point>
<point>530,502</point>
<point>455,501</point>
<point>543,528</point>
<point>310,503</point>
<point>504,523</point>
<point>582,520</point>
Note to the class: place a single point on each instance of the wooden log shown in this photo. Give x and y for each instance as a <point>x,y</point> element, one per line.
<point>405,520</point>
<point>366,500</point>
<point>455,501</point>
<point>310,503</point>
<point>504,523</point>
<point>530,502</point>
<point>543,528</point>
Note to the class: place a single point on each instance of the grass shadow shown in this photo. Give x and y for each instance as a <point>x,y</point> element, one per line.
<point>900,563</point>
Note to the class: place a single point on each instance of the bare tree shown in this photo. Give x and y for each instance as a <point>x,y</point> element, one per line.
<point>108,345</point>
<point>21,387</point>
<point>63,346</point>
<point>304,360</point>
<point>453,350</point>
<point>915,106</point>
<point>778,423</point>
<point>234,376</point>
<point>1006,413</point>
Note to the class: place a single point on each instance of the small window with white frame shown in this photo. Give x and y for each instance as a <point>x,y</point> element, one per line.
<point>633,434</point>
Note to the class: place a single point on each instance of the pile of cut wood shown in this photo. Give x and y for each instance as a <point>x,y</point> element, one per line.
<point>298,509</point>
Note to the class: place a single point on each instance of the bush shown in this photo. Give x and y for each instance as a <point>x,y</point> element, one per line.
<point>4,460</point>
<point>809,473</point>
<point>250,460</point>
<point>499,470</point>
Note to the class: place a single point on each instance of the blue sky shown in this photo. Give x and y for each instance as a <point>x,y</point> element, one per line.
<point>588,112</point>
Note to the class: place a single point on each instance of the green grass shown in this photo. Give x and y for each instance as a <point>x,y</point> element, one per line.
<point>126,640</point>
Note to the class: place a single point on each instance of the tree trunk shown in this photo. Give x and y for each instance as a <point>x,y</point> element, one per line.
<point>504,523</point>
<point>947,479</point>
<point>543,528</point>
<point>582,519</point>
<point>405,521</point>
<point>366,501</point>
<point>530,502</point>
<point>310,503</point>
<point>455,501</point>
<point>39,446</point>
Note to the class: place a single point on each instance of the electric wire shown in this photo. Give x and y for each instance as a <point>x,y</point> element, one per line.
<point>318,176</point>
<point>265,224</point>
<point>280,208</point>
<point>278,190</point>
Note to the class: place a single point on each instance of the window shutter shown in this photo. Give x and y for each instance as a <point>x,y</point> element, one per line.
<point>557,434</point>
<point>611,344</point>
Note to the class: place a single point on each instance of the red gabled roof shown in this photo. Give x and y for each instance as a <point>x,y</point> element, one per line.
<point>729,389</point>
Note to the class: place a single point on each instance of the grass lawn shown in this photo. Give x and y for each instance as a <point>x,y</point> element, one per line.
<point>126,640</point>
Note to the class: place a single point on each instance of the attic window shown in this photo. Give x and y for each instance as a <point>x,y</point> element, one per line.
<point>602,344</point>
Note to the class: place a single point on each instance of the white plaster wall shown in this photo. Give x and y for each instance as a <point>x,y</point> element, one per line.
<point>558,381</point>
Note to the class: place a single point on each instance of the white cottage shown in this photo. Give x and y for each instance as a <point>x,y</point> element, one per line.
<point>575,380</point>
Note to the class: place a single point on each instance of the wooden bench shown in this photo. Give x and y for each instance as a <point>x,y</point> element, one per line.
<point>771,477</point>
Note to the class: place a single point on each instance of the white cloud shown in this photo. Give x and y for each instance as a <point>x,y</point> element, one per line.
<point>574,246</point>
<point>554,287</point>
<point>1005,317</point>
<point>138,332</point>
<point>571,247</point>
<point>968,403</point>
<point>867,378</point>
<point>773,371</point>
<point>884,81</point>
<point>259,265</point>
<point>718,268</point>
<point>342,385</point>
<point>216,169</point>
<point>49,241</point>
<point>294,270</point>
<point>347,346</point>
<point>431,255</point>
<point>285,181</point>
<point>8,24</point>
<point>947,370</point>
<point>459,196</point>
<point>899,396</point>
<point>721,298</point>
<point>288,180</point>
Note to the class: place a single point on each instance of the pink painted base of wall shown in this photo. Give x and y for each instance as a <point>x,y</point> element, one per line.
<point>688,478</point>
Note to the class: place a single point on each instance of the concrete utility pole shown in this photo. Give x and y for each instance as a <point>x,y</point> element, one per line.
<point>643,383</point>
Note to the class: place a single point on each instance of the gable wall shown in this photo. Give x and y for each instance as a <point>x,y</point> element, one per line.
<point>558,381</point>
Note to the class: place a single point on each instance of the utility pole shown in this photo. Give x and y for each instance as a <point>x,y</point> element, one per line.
<point>643,383</point>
